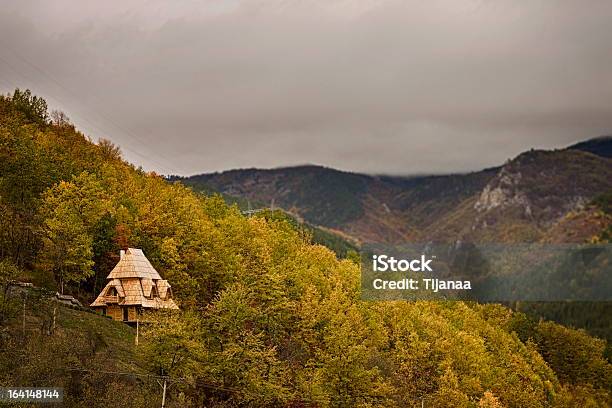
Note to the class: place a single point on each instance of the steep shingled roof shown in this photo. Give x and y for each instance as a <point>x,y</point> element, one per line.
<point>133,264</point>
<point>137,284</point>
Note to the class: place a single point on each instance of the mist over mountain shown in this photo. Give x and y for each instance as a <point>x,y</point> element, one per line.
<point>601,146</point>
<point>526,199</point>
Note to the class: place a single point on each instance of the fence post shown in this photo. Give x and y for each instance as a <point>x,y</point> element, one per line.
<point>164,394</point>
<point>25,296</point>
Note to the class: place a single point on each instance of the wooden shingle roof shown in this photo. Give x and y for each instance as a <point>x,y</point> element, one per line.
<point>137,284</point>
<point>147,286</point>
<point>133,264</point>
<point>163,287</point>
<point>133,292</point>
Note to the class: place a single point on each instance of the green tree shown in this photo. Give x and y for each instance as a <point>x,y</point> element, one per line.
<point>71,211</point>
<point>33,107</point>
<point>575,357</point>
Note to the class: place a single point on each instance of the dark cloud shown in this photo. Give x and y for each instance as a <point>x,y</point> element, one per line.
<point>381,86</point>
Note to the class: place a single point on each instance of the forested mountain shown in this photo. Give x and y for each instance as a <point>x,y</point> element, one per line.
<point>267,318</point>
<point>529,198</point>
<point>367,208</point>
<point>600,146</point>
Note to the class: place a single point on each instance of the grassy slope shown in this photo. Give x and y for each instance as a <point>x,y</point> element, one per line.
<point>113,335</point>
<point>77,324</point>
<point>88,355</point>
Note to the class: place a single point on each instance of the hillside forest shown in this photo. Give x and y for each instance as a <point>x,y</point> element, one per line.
<point>269,318</point>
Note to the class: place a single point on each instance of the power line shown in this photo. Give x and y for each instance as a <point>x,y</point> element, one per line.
<point>205,384</point>
<point>92,125</point>
<point>156,377</point>
<point>125,131</point>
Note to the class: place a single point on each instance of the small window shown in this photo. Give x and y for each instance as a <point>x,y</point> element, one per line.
<point>112,292</point>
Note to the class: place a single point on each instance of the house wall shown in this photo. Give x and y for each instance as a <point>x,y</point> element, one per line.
<point>114,312</point>
<point>132,313</point>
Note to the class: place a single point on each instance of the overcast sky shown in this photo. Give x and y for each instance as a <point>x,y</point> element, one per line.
<point>377,86</point>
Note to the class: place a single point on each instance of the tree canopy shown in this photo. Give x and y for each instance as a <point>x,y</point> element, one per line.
<point>268,318</point>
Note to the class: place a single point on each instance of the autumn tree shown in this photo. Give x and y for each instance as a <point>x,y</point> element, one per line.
<point>71,210</point>
<point>33,107</point>
<point>489,400</point>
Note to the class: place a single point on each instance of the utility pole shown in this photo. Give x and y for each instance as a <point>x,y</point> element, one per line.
<point>54,317</point>
<point>25,296</point>
<point>164,394</point>
<point>164,386</point>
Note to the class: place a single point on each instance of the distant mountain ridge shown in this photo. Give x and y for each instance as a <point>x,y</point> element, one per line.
<point>521,200</point>
<point>600,146</point>
<point>280,187</point>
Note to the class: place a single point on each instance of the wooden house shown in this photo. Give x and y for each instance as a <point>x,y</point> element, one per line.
<point>133,286</point>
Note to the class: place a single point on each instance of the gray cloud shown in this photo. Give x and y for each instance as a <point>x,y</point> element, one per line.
<point>380,86</point>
